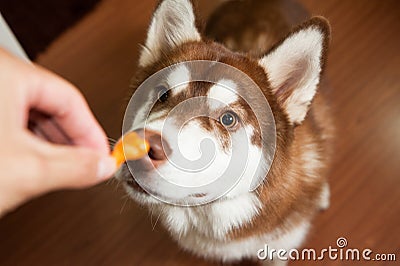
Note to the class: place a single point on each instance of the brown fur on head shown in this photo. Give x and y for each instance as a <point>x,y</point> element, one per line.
<point>288,74</point>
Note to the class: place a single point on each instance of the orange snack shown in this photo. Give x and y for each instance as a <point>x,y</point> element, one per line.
<point>130,147</point>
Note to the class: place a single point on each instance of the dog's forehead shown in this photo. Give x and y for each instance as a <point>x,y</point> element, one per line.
<point>223,89</point>
<point>178,78</point>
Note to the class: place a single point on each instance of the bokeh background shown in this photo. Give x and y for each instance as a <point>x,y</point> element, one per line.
<point>95,45</point>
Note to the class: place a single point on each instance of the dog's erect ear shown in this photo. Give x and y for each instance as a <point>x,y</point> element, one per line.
<point>173,24</point>
<point>294,67</point>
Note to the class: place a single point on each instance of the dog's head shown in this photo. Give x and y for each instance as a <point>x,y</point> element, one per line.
<point>184,117</point>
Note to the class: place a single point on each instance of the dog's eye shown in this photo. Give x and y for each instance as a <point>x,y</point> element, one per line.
<point>163,93</point>
<point>228,119</point>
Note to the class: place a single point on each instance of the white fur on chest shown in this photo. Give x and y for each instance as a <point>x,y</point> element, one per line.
<point>204,230</point>
<point>212,221</point>
<point>247,248</point>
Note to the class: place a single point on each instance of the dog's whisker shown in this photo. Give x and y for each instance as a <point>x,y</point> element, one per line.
<point>111,181</point>
<point>124,197</point>
<point>123,206</point>
<point>111,142</point>
<point>158,217</point>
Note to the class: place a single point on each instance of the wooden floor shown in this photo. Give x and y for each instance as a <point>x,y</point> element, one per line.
<point>100,226</point>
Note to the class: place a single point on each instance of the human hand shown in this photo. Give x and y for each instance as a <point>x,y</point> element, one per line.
<point>31,166</point>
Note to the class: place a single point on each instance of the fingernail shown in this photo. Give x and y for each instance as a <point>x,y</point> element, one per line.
<point>106,167</point>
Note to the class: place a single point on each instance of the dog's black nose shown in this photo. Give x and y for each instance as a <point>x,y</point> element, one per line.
<point>159,148</point>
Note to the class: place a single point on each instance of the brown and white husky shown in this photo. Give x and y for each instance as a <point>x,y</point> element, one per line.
<point>284,53</point>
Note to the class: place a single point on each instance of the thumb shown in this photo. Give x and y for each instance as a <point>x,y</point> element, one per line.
<point>75,167</point>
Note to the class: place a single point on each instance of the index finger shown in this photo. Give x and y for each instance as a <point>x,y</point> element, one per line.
<point>62,101</point>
